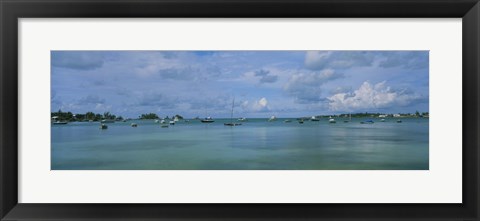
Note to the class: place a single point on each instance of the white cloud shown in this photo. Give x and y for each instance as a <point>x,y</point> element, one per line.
<point>317,60</point>
<point>368,97</point>
<point>305,87</point>
<point>260,105</point>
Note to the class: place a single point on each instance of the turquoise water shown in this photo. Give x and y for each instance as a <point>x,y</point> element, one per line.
<point>255,145</point>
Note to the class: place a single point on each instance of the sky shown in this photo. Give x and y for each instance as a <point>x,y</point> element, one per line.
<point>262,83</point>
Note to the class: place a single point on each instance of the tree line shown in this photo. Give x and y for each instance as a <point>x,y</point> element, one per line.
<point>91,116</point>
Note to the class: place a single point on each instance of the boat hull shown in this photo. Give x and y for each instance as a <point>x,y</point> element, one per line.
<point>232,124</point>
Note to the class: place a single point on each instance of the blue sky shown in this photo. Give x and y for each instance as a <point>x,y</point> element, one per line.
<point>263,83</point>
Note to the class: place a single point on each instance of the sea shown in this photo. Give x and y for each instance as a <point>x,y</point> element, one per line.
<point>255,145</point>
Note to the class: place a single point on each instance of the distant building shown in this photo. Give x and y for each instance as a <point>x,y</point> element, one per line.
<point>396,115</point>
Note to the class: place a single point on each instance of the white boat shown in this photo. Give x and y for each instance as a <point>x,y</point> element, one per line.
<point>172,122</point>
<point>108,121</point>
<point>157,121</point>
<point>313,118</point>
<point>287,121</point>
<point>331,120</point>
<point>242,119</point>
<point>162,121</point>
<point>382,120</point>
<point>175,119</point>
<point>207,120</point>
<point>272,118</point>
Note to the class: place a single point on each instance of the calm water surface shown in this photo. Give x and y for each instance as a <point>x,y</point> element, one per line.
<point>256,145</point>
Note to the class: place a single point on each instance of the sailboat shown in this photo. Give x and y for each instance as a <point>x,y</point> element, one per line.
<point>231,117</point>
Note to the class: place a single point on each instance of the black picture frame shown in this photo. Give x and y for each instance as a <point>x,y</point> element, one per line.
<point>12,10</point>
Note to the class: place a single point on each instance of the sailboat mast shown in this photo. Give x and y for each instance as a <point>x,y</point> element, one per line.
<point>231,115</point>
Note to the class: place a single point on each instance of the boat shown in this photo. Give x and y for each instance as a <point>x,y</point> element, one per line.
<point>157,121</point>
<point>313,118</point>
<point>105,121</point>
<point>103,126</point>
<point>231,117</point>
<point>207,120</point>
<point>367,122</point>
<point>272,118</point>
<point>172,122</point>
<point>60,122</point>
<point>175,119</point>
<point>162,121</point>
<point>133,125</point>
<point>164,126</point>
<point>242,119</point>
<point>382,120</point>
<point>300,121</point>
<point>287,121</point>
<point>232,124</point>
<point>399,121</point>
<point>331,120</point>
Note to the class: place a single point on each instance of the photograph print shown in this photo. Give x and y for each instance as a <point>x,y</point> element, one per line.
<point>239,110</point>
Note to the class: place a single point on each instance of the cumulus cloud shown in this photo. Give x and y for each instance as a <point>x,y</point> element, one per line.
<point>371,97</point>
<point>405,59</point>
<point>260,105</point>
<point>306,87</point>
<point>318,60</point>
<point>266,76</point>
<point>78,60</point>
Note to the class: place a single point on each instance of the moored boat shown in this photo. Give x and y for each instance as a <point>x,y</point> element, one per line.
<point>207,120</point>
<point>231,117</point>
<point>103,126</point>
<point>367,122</point>
<point>242,119</point>
<point>331,120</point>
<point>272,118</point>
